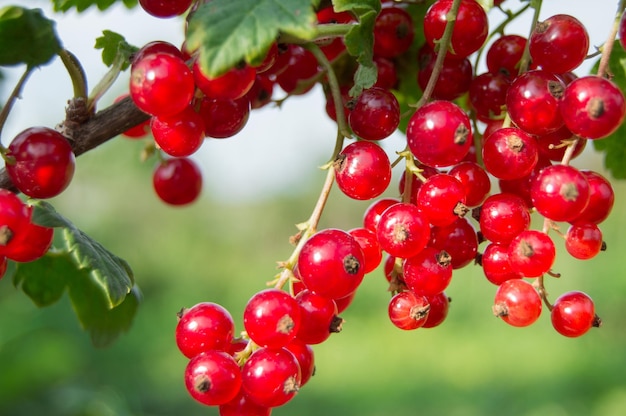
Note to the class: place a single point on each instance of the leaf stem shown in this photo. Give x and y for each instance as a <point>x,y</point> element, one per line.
<point>15,94</point>
<point>106,82</point>
<point>603,66</point>
<point>76,73</point>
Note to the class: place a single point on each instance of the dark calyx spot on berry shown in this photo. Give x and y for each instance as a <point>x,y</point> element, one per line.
<point>181,312</point>
<point>500,309</point>
<point>400,233</point>
<point>526,249</point>
<point>556,89</point>
<point>541,27</point>
<point>514,143</point>
<point>418,313</point>
<point>285,324</point>
<point>336,325</point>
<point>476,213</point>
<point>461,134</point>
<point>603,246</point>
<point>460,209</point>
<point>444,258</point>
<point>351,104</point>
<point>597,322</point>
<point>569,191</point>
<point>291,385</point>
<point>351,264</point>
<point>202,384</point>
<point>478,260</point>
<point>5,235</point>
<point>402,31</point>
<point>595,107</point>
<point>339,162</point>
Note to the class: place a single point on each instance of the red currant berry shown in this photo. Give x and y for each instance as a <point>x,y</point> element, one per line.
<point>271,377</point>
<point>204,327</point>
<point>531,253</point>
<point>231,85</point>
<point>403,230</point>
<point>372,253</point>
<point>559,44</point>
<point>179,135</point>
<point>560,192</point>
<point>161,84</point>
<point>375,210</point>
<point>428,272</point>
<point>504,55</point>
<point>41,162</point>
<point>362,170</point>
<point>573,314</point>
<point>408,311</point>
<point>261,92</point>
<point>601,199</point>
<point>439,134</point>
<point>213,378</point>
<point>442,199</point>
<point>387,74</point>
<point>517,303</point>
<point>224,118</point>
<point>470,29</point>
<point>487,95</point>
<point>502,217</point>
<point>583,240</point>
<point>454,78</point>
<point>14,220</point>
<point>439,305</point>
<point>319,317</point>
<point>554,145</point>
<point>333,47</point>
<point>393,32</point>
<point>458,239</point>
<point>177,181</point>
<point>592,107</point>
<point>496,266</point>
<point>510,153</point>
<point>375,115</point>
<point>306,359</point>
<point>475,181</point>
<point>272,318</point>
<point>241,405</point>
<point>301,66</point>
<point>31,243</point>
<point>331,264</point>
<point>165,8</point>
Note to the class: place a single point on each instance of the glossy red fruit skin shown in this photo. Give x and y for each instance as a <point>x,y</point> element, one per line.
<point>224,118</point>
<point>179,135</point>
<point>510,153</point>
<point>454,79</point>
<point>165,8</point>
<point>272,318</point>
<point>161,84</point>
<point>457,239</point>
<point>231,85</point>
<point>362,170</point>
<point>517,303</point>
<point>601,199</point>
<point>442,199</point>
<point>31,243</point>
<point>403,230</point>
<point>532,101</point>
<point>583,240</point>
<point>154,47</point>
<point>261,92</point>
<point>502,217</point>
<point>317,314</point>
<point>475,181</point>
<point>504,55</point>
<point>531,253</point>
<point>439,134</point>
<point>271,377</point>
<point>301,65</point>
<point>560,192</point>
<point>393,32</point>
<point>416,183</point>
<point>44,162</point>
<point>592,107</point>
<point>408,311</point>
<point>331,263</point>
<point>470,29</point>
<point>573,314</point>
<point>14,219</point>
<point>428,272</point>
<point>213,378</point>
<point>372,253</point>
<point>496,266</point>
<point>140,130</point>
<point>557,139</point>
<point>204,327</point>
<point>439,306</point>
<point>375,115</point>
<point>372,214</point>
<point>241,405</point>
<point>332,48</point>
<point>177,181</point>
<point>521,186</point>
<point>387,74</point>
<point>559,44</point>
<point>487,95</point>
<point>306,359</point>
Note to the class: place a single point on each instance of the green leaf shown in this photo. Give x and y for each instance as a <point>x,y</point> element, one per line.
<point>92,309</point>
<point>44,280</point>
<point>109,273</point>
<point>82,5</point>
<point>614,146</point>
<point>225,32</point>
<point>26,37</point>
<point>114,47</point>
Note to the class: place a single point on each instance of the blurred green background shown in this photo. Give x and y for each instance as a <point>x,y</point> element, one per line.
<point>473,364</point>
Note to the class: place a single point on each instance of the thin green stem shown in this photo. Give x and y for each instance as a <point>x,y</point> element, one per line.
<point>76,73</point>
<point>525,60</point>
<point>603,66</point>
<point>15,94</point>
<point>307,229</point>
<point>106,82</point>
<point>443,44</point>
